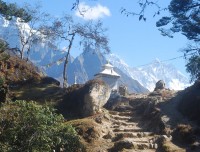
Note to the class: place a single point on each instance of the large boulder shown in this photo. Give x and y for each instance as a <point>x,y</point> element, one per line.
<point>160,85</point>
<point>84,100</point>
<point>95,98</point>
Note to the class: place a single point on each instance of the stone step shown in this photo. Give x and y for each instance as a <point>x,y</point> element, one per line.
<point>128,130</point>
<point>124,123</point>
<point>130,124</point>
<point>124,108</point>
<point>113,112</point>
<point>142,143</point>
<point>136,135</point>
<point>125,118</point>
<point>124,144</point>
<point>120,135</point>
<point>124,113</point>
<point>128,113</point>
<point>144,146</point>
<point>136,150</point>
<point>135,119</point>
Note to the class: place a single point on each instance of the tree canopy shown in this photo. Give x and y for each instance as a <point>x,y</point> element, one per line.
<point>11,9</point>
<point>185,18</point>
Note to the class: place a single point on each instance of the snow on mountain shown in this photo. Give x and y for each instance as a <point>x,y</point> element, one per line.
<point>148,75</point>
<point>90,61</point>
<point>40,54</point>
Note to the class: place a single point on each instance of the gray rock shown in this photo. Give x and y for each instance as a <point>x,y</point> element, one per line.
<point>96,98</point>
<point>166,138</point>
<point>160,85</point>
<point>84,100</point>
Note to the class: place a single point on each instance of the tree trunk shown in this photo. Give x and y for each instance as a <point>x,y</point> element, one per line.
<point>64,72</point>
<point>65,85</point>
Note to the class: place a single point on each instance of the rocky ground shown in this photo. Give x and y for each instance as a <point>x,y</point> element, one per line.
<point>138,123</point>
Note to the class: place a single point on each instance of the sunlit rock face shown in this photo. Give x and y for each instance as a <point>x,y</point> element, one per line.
<point>85,100</point>
<point>95,98</point>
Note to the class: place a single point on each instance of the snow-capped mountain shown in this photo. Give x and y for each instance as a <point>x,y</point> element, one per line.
<point>41,54</point>
<point>90,62</point>
<point>148,75</point>
<point>83,67</point>
<point>87,64</point>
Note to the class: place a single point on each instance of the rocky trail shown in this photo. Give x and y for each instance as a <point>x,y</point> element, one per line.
<point>128,136</point>
<point>139,123</point>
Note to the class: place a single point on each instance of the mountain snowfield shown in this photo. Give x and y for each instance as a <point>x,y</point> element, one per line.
<point>150,74</point>
<point>88,63</point>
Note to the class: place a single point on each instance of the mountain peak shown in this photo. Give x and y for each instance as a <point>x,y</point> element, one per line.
<point>156,60</point>
<point>148,75</point>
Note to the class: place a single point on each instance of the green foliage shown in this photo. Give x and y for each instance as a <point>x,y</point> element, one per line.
<point>9,10</point>
<point>3,45</point>
<point>2,89</point>
<point>2,81</point>
<point>29,127</point>
<point>185,17</point>
<point>193,67</point>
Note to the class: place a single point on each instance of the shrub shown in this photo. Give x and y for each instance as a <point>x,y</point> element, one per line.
<point>2,81</point>
<point>27,126</point>
<point>184,134</point>
<point>3,89</point>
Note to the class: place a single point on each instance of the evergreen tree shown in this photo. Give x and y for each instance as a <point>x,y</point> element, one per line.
<point>185,18</point>
<point>11,9</point>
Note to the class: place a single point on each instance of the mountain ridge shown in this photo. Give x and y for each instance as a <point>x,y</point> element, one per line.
<point>88,63</point>
<point>148,75</point>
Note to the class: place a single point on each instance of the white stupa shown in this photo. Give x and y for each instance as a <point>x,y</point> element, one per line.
<point>109,76</point>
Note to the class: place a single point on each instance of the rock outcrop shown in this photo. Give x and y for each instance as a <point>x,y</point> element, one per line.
<point>84,100</point>
<point>95,98</point>
<point>160,85</point>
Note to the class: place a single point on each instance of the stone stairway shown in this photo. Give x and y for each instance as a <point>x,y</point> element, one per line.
<point>127,135</point>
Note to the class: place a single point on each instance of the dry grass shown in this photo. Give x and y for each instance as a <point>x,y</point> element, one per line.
<point>48,93</point>
<point>168,146</point>
<point>88,132</point>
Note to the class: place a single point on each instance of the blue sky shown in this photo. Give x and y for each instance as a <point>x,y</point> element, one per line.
<point>135,41</point>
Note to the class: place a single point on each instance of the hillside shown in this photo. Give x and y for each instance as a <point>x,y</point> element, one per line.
<point>152,108</point>
<point>158,121</point>
<point>145,123</point>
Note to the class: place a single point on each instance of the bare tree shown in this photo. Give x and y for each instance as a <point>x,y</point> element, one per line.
<point>66,29</point>
<point>29,33</point>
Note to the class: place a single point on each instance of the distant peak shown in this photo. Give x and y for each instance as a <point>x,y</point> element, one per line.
<point>156,60</point>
